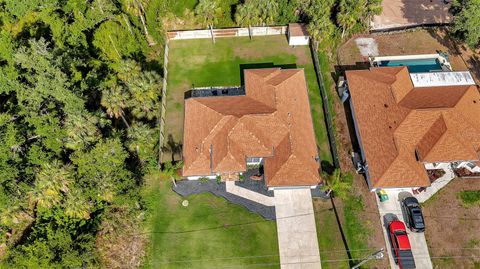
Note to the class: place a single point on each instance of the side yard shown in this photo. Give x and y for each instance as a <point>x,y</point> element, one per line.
<point>453,225</point>
<point>208,233</point>
<point>200,63</point>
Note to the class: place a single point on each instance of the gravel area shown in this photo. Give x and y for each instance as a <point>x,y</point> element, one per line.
<point>254,185</point>
<point>188,187</point>
<point>318,193</point>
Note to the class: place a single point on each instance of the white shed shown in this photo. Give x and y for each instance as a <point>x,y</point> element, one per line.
<point>297,34</point>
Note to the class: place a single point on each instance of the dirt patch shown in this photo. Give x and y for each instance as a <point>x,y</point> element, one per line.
<point>453,229</point>
<point>303,57</point>
<point>119,244</point>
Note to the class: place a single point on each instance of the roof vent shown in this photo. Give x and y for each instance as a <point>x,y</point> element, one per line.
<point>385,105</point>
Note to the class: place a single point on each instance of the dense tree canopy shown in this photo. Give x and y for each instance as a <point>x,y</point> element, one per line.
<point>467,21</point>
<point>78,113</point>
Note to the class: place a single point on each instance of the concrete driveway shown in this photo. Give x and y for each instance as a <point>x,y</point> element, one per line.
<point>297,233</point>
<point>390,209</point>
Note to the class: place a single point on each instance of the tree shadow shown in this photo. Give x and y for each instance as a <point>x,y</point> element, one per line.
<point>173,147</point>
<point>327,167</point>
<point>425,12</point>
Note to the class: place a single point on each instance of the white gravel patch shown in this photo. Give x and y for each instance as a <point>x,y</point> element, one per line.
<point>367,46</point>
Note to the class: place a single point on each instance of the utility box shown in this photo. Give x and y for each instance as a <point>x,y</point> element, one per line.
<point>298,35</point>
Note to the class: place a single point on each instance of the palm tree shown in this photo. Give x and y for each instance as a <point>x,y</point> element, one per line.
<point>247,15</point>
<point>337,184</point>
<point>144,94</point>
<point>320,25</point>
<point>209,11</point>
<point>51,184</point>
<point>349,14</point>
<point>81,130</point>
<point>141,140</point>
<point>268,10</point>
<point>76,206</point>
<point>114,99</point>
<point>137,8</point>
<point>374,7</point>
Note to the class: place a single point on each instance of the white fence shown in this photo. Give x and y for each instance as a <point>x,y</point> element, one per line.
<point>163,105</point>
<point>228,32</point>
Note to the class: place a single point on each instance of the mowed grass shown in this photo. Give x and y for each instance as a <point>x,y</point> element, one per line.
<point>332,249</point>
<point>200,63</point>
<point>209,233</point>
<point>470,198</point>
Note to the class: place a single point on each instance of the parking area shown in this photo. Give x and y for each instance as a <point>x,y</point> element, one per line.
<point>390,209</point>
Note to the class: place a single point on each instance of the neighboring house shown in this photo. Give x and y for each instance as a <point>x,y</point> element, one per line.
<point>297,34</point>
<point>401,14</point>
<point>270,124</point>
<point>408,122</point>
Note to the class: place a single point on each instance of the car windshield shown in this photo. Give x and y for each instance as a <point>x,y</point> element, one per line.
<point>418,221</point>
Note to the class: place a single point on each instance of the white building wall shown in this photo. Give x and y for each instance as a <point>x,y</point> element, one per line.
<point>198,177</point>
<point>298,40</point>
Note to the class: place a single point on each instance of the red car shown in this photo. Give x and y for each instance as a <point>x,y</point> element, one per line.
<point>401,250</point>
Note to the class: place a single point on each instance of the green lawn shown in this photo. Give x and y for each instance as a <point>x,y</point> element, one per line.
<point>470,198</point>
<point>332,249</point>
<point>201,63</point>
<point>209,233</point>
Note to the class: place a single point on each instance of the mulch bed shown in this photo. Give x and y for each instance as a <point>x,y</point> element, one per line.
<point>434,174</point>
<point>464,172</point>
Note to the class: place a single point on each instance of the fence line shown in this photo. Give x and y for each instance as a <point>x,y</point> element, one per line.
<point>163,108</point>
<point>227,32</point>
<point>326,109</point>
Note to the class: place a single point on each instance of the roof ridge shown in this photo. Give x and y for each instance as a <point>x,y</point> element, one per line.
<point>439,120</point>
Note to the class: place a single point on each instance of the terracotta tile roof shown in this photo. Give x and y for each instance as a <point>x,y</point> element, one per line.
<point>297,29</point>
<point>398,123</point>
<point>272,120</point>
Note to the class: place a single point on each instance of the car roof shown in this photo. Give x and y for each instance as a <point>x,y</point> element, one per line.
<point>403,242</point>
<point>397,225</point>
<point>411,200</point>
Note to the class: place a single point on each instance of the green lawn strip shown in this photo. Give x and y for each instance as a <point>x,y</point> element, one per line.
<point>332,250</point>
<point>470,197</point>
<point>209,233</point>
<point>355,230</point>
<point>200,63</point>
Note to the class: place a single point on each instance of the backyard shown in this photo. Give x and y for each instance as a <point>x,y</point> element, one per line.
<point>200,63</point>
<point>411,42</point>
<point>208,233</point>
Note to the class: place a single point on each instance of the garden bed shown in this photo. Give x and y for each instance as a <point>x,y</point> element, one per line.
<point>464,172</point>
<point>434,174</point>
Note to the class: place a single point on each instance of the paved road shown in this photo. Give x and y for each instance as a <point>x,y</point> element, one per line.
<point>417,240</point>
<point>297,233</point>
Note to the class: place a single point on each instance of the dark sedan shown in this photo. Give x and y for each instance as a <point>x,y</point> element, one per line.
<point>413,214</point>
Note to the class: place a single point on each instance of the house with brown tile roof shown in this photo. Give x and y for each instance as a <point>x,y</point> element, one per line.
<point>402,128</point>
<point>271,122</point>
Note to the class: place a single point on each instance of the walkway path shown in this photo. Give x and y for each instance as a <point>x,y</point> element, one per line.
<point>297,233</point>
<point>248,194</point>
<point>391,208</point>
<point>438,184</point>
